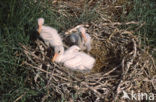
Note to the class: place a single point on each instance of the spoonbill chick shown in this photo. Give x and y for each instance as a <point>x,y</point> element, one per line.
<point>49,34</point>
<point>74,59</point>
<point>81,38</point>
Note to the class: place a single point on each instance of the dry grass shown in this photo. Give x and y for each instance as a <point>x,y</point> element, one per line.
<point>121,63</point>
<point>123,60</point>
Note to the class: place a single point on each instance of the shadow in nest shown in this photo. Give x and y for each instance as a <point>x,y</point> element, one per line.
<point>105,56</point>
<point>106,59</point>
<point>120,64</point>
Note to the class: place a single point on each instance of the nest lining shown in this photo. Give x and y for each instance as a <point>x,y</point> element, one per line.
<point>120,65</point>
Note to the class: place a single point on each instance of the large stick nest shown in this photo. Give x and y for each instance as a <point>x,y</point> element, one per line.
<point>121,64</point>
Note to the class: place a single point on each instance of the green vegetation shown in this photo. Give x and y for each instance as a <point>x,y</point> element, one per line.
<point>143,11</point>
<point>18,22</point>
<point>15,15</point>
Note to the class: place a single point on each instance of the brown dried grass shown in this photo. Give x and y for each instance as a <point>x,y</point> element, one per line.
<point>121,64</point>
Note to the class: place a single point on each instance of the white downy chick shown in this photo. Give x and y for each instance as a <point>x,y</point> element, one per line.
<point>49,34</point>
<point>81,38</point>
<point>74,59</point>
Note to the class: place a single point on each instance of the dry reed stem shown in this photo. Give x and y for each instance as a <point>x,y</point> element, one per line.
<point>126,67</point>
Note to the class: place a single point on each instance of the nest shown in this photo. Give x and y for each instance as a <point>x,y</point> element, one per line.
<point>121,64</point>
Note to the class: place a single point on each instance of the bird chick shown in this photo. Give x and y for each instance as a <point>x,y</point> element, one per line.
<point>81,38</point>
<point>49,34</point>
<point>74,59</point>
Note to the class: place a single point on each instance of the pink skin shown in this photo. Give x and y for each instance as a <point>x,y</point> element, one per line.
<point>83,34</point>
<point>39,26</point>
<point>84,37</point>
<point>55,56</point>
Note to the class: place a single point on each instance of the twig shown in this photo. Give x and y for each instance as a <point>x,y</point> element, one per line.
<point>37,68</point>
<point>129,63</point>
<point>118,23</point>
<point>19,97</point>
<point>111,71</point>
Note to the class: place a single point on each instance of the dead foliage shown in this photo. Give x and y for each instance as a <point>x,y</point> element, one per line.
<point>121,64</point>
